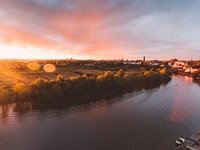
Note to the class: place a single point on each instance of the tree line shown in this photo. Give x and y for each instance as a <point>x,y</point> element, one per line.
<point>42,90</point>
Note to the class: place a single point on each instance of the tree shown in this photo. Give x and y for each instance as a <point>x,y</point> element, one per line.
<point>22,91</point>
<point>147,73</point>
<point>163,71</point>
<point>59,78</point>
<point>121,73</point>
<point>4,95</point>
<point>108,74</point>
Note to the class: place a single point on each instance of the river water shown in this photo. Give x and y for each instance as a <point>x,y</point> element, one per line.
<point>141,120</point>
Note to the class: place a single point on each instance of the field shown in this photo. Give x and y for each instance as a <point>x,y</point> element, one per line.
<point>45,81</point>
<point>16,72</point>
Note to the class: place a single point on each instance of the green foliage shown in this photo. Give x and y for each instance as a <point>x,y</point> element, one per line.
<point>147,73</point>
<point>4,95</point>
<point>39,82</point>
<point>22,91</point>
<point>196,75</point>
<point>60,78</point>
<point>121,73</point>
<point>19,88</point>
<point>108,74</point>
<point>163,71</point>
<point>85,75</point>
<point>100,77</point>
<point>45,90</point>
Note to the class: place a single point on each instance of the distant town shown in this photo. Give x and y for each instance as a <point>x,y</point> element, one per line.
<point>183,67</point>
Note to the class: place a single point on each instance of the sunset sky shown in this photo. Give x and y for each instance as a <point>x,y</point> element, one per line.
<point>100,29</point>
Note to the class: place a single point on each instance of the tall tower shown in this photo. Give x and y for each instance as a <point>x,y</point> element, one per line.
<point>144,59</point>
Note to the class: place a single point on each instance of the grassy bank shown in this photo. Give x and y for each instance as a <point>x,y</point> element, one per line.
<point>42,90</point>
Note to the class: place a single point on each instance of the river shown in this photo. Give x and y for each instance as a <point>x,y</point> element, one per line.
<point>141,120</point>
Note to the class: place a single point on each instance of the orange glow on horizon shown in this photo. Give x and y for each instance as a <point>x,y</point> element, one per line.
<point>15,52</point>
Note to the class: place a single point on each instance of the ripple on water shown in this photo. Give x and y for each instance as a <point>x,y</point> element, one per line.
<point>142,120</point>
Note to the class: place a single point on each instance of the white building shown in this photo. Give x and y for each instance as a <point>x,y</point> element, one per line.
<point>178,64</point>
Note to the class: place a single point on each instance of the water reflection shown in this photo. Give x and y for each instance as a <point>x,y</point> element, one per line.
<point>72,104</point>
<point>12,112</point>
<point>186,100</point>
<point>157,116</point>
<point>188,79</point>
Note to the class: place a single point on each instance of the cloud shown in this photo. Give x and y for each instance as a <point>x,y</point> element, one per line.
<point>101,28</point>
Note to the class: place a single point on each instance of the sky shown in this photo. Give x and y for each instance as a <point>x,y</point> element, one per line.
<point>100,29</point>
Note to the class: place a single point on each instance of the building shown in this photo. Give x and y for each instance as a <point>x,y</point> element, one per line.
<point>178,64</point>
<point>144,59</point>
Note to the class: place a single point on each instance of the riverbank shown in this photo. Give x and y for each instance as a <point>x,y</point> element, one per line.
<point>42,90</point>
<point>194,76</point>
<point>126,120</point>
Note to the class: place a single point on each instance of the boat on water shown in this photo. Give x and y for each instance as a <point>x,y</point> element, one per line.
<point>191,143</point>
<point>180,141</point>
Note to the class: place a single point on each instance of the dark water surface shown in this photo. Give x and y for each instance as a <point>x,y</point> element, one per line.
<point>145,120</point>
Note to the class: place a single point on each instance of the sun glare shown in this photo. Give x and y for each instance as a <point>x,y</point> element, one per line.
<point>14,52</point>
<point>7,52</point>
<point>49,68</point>
<point>33,66</point>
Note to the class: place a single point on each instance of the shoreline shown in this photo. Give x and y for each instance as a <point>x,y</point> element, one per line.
<point>42,90</point>
<point>189,75</point>
<point>85,99</point>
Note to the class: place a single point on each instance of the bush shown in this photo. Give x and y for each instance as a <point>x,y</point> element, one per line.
<point>147,73</point>
<point>22,91</point>
<point>59,78</point>
<point>121,73</point>
<point>163,71</point>
<point>108,74</point>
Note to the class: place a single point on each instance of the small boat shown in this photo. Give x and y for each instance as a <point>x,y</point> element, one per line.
<point>180,141</point>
